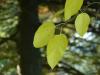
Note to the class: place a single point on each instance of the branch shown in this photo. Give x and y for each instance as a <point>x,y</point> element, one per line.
<point>66,67</point>
<point>70,69</point>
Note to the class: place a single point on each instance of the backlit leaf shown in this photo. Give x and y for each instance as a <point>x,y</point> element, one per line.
<point>55,49</point>
<point>71,8</point>
<point>43,34</point>
<point>81,23</point>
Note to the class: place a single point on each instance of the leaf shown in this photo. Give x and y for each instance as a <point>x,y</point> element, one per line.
<point>43,34</point>
<point>71,8</point>
<point>81,23</point>
<point>55,49</point>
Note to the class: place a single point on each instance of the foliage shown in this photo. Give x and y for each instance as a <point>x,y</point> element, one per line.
<point>81,23</point>
<point>8,51</point>
<point>56,45</point>
<point>42,36</point>
<point>72,8</point>
<point>82,54</point>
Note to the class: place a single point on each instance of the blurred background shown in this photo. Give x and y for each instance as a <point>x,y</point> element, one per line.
<point>82,56</point>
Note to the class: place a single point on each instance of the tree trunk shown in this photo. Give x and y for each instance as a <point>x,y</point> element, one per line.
<point>30,61</point>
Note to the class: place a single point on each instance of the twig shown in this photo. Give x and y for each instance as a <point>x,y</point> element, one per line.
<point>90,5</point>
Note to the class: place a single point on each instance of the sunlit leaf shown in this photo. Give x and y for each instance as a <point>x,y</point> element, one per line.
<point>71,8</point>
<point>81,23</point>
<point>55,49</point>
<point>43,34</point>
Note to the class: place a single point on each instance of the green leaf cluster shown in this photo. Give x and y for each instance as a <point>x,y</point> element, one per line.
<point>45,34</point>
<point>82,21</point>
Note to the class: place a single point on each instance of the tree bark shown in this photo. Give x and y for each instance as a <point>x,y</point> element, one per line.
<point>30,59</point>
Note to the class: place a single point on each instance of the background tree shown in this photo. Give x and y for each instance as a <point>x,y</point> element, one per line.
<point>28,23</point>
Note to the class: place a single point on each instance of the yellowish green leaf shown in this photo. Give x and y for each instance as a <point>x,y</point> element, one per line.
<point>71,8</point>
<point>43,34</point>
<point>55,49</point>
<point>81,23</point>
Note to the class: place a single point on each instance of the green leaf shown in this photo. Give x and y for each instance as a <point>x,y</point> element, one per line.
<point>81,23</point>
<point>43,34</point>
<point>55,49</point>
<point>71,8</point>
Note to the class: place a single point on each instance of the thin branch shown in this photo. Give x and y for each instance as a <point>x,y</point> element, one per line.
<point>65,66</point>
<point>92,4</point>
<point>68,68</point>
